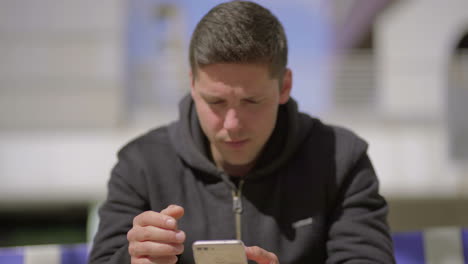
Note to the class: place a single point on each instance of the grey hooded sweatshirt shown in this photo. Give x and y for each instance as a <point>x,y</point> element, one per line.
<point>312,197</point>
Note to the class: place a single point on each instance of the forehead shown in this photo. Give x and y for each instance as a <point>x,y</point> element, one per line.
<point>252,76</point>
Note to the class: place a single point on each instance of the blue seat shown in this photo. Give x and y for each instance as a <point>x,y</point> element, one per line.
<point>436,245</point>
<point>46,254</point>
<point>409,247</point>
<point>74,254</point>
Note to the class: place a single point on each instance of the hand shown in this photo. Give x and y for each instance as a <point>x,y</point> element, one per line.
<point>261,256</point>
<point>154,237</point>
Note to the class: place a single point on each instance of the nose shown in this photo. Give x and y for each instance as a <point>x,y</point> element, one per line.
<point>231,120</point>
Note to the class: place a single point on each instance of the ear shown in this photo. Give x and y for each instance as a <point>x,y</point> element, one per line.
<point>286,86</point>
<point>192,80</point>
<point>192,83</point>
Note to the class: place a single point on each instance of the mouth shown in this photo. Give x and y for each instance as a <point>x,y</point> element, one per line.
<point>236,143</point>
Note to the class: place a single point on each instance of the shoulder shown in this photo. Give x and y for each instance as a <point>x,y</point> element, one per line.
<point>348,142</point>
<point>341,138</point>
<point>147,150</point>
<point>153,140</point>
<point>147,158</point>
<point>342,159</point>
<point>336,142</point>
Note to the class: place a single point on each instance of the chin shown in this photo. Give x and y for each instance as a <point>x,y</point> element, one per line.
<point>239,161</point>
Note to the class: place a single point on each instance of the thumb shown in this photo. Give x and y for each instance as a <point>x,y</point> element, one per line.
<point>175,211</point>
<point>260,255</point>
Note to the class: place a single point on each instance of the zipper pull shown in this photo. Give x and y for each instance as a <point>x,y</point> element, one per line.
<point>236,204</point>
<point>237,199</point>
<point>237,208</point>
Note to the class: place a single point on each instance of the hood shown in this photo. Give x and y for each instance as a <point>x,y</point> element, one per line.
<point>191,143</point>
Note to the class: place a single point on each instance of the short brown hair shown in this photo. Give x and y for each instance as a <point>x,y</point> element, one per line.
<point>239,32</point>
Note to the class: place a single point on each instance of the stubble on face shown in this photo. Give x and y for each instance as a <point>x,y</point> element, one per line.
<point>237,106</point>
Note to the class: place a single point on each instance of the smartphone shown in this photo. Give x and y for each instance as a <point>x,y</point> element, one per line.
<point>219,252</point>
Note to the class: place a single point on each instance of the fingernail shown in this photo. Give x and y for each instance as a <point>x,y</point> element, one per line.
<point>171,223</point>
<point>179,248</point>
<point>180,236</point>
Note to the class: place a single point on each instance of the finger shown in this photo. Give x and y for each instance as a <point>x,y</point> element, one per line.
<point>174,210</point>
<point>260,255</point>
<point>154,249</point>
<point>155,234</point>
<point>148,260</point>
<point>165,260</point>
<point>151,218</point>
<point>141,260</point>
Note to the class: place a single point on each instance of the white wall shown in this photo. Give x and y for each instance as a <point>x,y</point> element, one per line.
<point>414,43</point>
<point>411,158</point>
<point>61,166</point>
<point>61,63</point>
<point>408,142</point>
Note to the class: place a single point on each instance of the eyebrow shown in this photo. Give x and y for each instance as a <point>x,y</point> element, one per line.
<point>215,97</point>
<point>254,97</point>
<point>209,96</point>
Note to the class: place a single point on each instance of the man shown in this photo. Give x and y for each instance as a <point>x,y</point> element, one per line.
<point>242,162</point>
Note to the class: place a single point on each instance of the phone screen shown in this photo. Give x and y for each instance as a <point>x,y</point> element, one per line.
<point>219,252</point>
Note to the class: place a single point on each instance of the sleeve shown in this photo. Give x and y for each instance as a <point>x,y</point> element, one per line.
<point>358,231</point>
<point>125,200</point>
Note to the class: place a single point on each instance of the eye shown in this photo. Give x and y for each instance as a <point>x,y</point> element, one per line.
<point>251,101</point>
<point>214,102</point>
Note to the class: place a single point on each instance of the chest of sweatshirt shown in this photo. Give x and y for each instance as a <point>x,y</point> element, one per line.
<point>285,212</point>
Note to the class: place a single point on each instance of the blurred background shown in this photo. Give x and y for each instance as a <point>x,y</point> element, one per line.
<point>80,78</point>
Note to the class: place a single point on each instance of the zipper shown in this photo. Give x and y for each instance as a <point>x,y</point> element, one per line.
<point>237,208</point>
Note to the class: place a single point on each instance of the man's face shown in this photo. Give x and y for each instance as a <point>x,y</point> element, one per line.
<point>237,105</point>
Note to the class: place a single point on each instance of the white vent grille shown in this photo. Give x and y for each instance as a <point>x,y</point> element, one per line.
<point>354,84</point>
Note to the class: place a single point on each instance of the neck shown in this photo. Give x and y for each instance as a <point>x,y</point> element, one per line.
<point>231,169</point>
<point>236,170</point>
